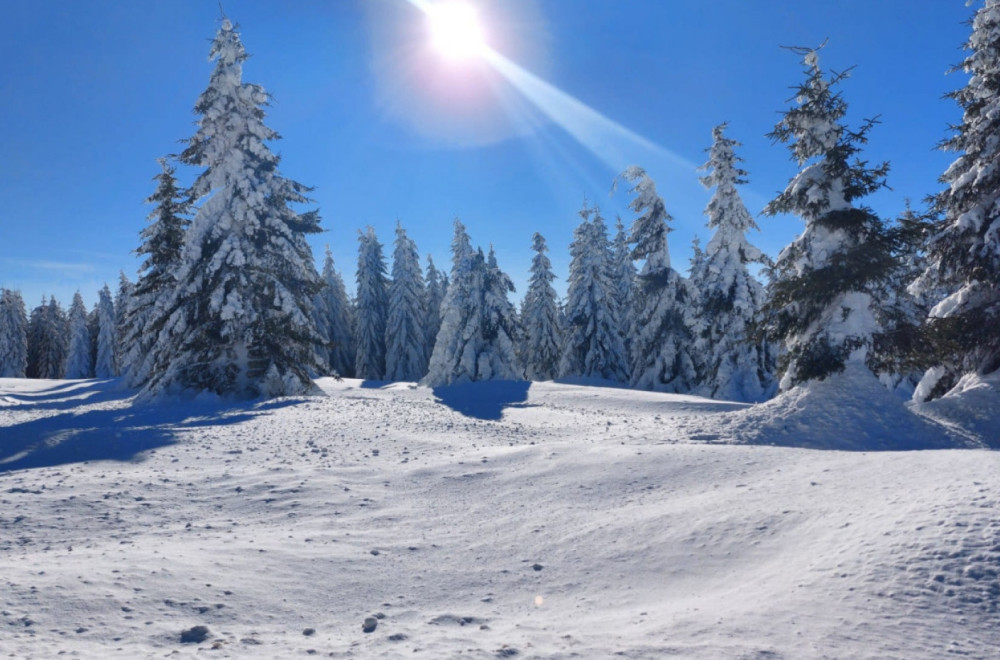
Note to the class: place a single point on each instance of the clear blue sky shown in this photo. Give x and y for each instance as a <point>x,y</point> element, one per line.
<point>92,92</point>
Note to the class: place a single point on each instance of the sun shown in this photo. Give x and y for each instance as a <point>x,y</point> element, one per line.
<point>455,30</point>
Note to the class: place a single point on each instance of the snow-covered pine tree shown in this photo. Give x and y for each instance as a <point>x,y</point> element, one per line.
<point>448,363</point>
<point>241,322</point>
<point>79,360</point>
<point>162,243</point>
<point>699,349</point>
<point>592,343</point>
<point>540,348</point>
<point>13,335</point>
<point>735,366</point>
<point>47,345</point>
<point>405,334</point>
<point>104,355</point>
<point>662,316</point>
<point>477,321</point>
<point>964,250</point>
<point>623,274</point>
<point>437,286</point>
<point>93,329</point>
<point>371,308</point>
<point>122,303</point>
<point>824,298</point>
<point>498,358</point>
<point>336,320</point>
<point>37,338</point>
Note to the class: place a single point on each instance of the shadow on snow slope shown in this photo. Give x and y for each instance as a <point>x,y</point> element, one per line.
<point>116,433</point>
<point>69,394</point>
<point>484,399</point>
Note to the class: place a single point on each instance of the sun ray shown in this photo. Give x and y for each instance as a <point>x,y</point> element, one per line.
<point>609,141</point>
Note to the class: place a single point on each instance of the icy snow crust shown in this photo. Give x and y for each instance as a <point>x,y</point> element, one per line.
<point>550,521</point>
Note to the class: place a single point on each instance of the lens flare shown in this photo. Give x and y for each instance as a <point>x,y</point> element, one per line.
<point>455,30</point>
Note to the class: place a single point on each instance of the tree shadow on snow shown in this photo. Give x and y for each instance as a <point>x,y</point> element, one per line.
<point>66,395</point>
<point>374,384</point>
<point>485,399</point>
<point>119,434</point>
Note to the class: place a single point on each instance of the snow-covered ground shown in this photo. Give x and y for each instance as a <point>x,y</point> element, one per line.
<point>497,520</point>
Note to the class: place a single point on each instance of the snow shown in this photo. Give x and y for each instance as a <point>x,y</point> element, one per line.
<point>490,520</point>
<point>969,409</point>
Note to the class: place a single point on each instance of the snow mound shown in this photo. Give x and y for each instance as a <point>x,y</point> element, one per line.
<point>971,409</point>
<point>849,411</point>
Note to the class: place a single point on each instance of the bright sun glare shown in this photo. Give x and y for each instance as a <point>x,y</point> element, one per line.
<point>455,30</point>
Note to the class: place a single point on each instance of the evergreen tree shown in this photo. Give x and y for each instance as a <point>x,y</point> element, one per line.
<point>336,320</point>
<point>623,274</point>
<point>593,346</point>
<point>240,322</point>
<point>823,301</point>
<point>540,317</point>
<point>405,332</point>
<point>662,319</point>
<point>104,360</point>
<point>477,321</point>
<point>901,352</point>
<point>498,359</point>
<point>437,286</point>
<point>449,362</point>
<point>371,308</point>
<point>735,366</point>
<point>162,243</point>
<point>963,328</point>
<point>37,338</point>
<point>47,345</point>
<point>697,323</point>
<point>122,303</point>
<point>79,361</point>
<point>13,335</point>
<point>93,330</point>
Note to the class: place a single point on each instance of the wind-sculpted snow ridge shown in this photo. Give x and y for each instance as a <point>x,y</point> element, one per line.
<point>848,411</point>
<point>559,521</point>
<point>969,409</point>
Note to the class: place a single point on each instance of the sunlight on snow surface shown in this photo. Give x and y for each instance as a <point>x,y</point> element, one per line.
<point>494,520</point>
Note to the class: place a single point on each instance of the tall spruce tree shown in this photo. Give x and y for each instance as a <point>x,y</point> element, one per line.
<point>37,340</point>
<point>964,249</point>
<point>498,360</point>
<point>335,318</point>
<point>823,300</point>
<point>79,360</point>
<point>371,308</point>
<point>13,335</point>
<point>437,286</point>
<point>540,352</point>
<point>734,366</point>
<point>623,274</point>
<point>122,303</point>
<point>47,341</point>
<point>901,351</point>
<point>696,282</point>
<point>240,322</point>
<point>476,340</point>
<point>663,316</point>
<point>405,333</point>
<point>450,362</point>
<point>104,354</point>
<point>592,343</point>
<point>162,245</point>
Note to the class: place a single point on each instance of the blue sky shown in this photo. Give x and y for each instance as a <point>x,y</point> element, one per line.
<point>92,92</point>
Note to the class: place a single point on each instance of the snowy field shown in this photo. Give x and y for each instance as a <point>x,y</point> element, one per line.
<point>497,521</point>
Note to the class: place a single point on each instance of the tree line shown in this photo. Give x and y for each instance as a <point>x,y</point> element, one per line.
<point>229,299</point>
